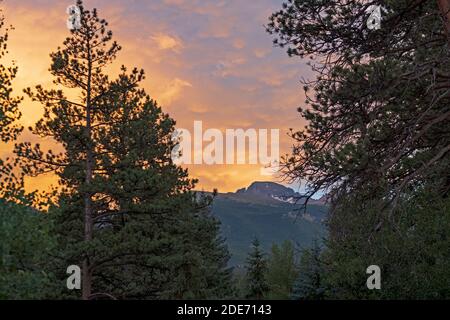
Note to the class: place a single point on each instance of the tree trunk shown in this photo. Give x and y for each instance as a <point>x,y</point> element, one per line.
<point>87,275</point>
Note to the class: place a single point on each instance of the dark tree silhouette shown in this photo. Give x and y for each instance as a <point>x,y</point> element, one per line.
<point>142,233</point>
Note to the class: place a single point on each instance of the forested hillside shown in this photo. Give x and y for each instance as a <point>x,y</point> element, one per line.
<point>252,213</point>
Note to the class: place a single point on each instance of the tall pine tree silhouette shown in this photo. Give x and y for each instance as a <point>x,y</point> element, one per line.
<point>142,230</point>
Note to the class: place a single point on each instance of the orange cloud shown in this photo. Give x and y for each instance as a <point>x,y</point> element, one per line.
<point>172,91</point>
<point>167,42</point>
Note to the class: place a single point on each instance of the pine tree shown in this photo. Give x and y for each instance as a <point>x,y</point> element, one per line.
<point>79,65</point>
<point>310,284</point>
<point>10,184</point>
<point>23,232</point>
<point>135,238</point>
<point>378,117</point>
<point>378,133</point>
<point>257,286</point>
<point>207,275</point>
<point>414,257</point>
<point>282,271</point>
<point>26,239</point>
<point>9,105</point>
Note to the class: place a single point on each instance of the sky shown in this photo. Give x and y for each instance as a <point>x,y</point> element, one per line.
<point>205,60</point>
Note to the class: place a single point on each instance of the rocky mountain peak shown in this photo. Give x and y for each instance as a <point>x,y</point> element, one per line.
<point>270,189</point>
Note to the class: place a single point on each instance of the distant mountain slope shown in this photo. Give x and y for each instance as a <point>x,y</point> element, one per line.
<point>266,210</point>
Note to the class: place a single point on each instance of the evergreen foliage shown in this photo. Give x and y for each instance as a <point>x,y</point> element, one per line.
<point>282,271</point>
<point>126,213</point>
<point>257,286</point>
<point>25,243</point>
<point>310,284</point>
<point>9,105</point>
<point>377,139</point>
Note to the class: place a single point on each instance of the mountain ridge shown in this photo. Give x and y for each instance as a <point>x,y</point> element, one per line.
<point>266,210</point>
<point>275,191</point>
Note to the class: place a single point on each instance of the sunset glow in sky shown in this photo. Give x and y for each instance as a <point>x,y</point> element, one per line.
<point>206,60</point>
